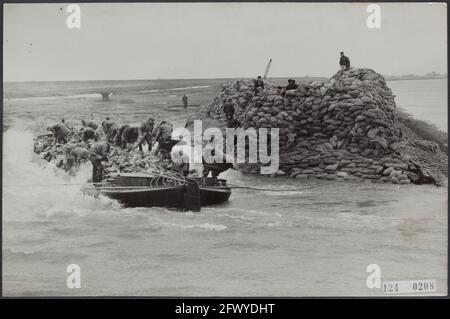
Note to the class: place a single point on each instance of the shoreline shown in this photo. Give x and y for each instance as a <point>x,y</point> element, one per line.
<point>142,86</point>
<point>419,78</point>
<point>420,129</point>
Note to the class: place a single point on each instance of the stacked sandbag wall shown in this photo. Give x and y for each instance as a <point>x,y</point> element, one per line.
<point>344,127</point>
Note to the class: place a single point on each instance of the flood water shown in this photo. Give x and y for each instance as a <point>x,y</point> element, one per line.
<point>302,238</point>
<point>424,99</point>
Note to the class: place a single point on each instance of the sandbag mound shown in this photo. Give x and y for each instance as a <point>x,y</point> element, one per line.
<point>344,127</point>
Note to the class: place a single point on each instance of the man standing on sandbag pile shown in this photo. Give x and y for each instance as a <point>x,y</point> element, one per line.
<point>99,153</point>
<point>344,62</point>
<point>145,133</point>
<point>228,109</point>
<point>163,135</point>
<point>110,128</point>
<point>259,83</point>
<point>184,101</point>
<point>61,132</point>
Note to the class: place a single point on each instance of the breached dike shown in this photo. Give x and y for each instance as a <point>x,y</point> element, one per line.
<point>341,128</point>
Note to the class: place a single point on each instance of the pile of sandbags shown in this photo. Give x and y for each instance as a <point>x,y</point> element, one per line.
<point>344,127</point>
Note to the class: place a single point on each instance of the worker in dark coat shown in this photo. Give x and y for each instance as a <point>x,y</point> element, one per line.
<point>110,128</point>
<point>99,153</point>
<point>61,132</point>
<point>258,83</point>
<point>228,109</point>
<point>89,123</point>
<point>129,135</point>
<point>344,62</point>
<point>145,133</point>
<point>118,137</point>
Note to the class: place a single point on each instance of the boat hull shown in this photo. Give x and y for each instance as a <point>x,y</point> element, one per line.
<point>164,197</point>
<point>214,195</point>
<point>173,196</point>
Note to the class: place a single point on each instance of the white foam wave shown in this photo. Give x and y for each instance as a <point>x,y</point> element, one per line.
<point>206,226</point>
<point>33,188</point>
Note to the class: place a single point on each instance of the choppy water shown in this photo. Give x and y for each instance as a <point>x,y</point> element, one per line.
<point>318,241</point>
<point>284,242</point>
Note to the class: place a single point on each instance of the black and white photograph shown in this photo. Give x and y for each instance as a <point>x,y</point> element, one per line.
<point>225,149</point>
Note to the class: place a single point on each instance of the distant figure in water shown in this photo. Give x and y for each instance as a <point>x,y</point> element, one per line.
<point>344,62</point>
<point>185,100</point>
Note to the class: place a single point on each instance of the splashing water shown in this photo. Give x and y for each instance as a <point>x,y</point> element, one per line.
<point>33,187</point>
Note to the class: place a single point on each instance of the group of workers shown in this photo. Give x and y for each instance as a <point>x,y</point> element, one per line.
<point>145,133</point>
<point>124,136</point>
<point>118,135</point>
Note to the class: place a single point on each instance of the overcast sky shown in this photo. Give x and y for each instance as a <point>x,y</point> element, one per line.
<point>215,40</point>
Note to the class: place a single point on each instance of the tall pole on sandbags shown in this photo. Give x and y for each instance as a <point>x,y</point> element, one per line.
<point>267,69</point>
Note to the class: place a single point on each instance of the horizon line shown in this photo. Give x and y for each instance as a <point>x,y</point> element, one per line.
<point>441,75</point>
